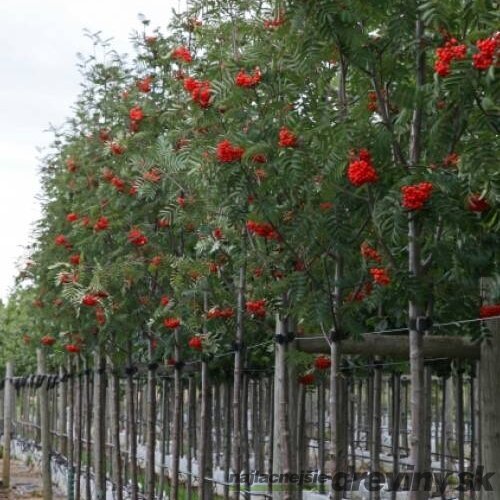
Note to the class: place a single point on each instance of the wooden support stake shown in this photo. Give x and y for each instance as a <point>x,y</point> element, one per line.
<point>8,406</point>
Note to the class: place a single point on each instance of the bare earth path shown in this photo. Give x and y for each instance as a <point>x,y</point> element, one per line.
<point>26,483</point>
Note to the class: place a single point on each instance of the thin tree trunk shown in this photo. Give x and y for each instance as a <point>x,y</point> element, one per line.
<point>321,434</point>
<point>45,425</point>
<point>164,428</point>
<point>245,449</point>
<point>217,419</point>
<point>151,427</point>
<point>78,431</point>
<point>238,366</point>
<point>301,434</point>
<point>396,420</point>
<point>70,433</point>
<point>376,445</point>
<point>176,423</point>
<point>132,426</point>
<point>227,436</point>
<point>99,434</point>
<point>191,411</point>
<point>88,427</point>
<point>415,310</point>
<point>460,424</point>
<point>115,433</point>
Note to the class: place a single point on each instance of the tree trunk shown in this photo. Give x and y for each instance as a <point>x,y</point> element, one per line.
<point>396,420</point>
<point>43,399</point>
<point>151,427</point>
<point>376,445</point>
<point>99,434</point>
<point>176,423</point>
<point>78,431</point>
<point>8,413</point>
<point>191,411</point>
<point>69,431</point>
<point>132,426</point>
<point>238,367</point>
<point>282,450</point>
<point>115,433</point>
<point>321,434</point>
<point>227,436</point>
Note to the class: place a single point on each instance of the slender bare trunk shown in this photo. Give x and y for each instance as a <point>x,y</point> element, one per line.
<point>238,368</point>
<point>176,423</point>
<point>45,425</point>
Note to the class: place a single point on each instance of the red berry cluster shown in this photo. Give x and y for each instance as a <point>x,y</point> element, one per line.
<point>48,340</point>
<point>256,307</point>
<point>144,85</point>
<point>171,323</point>
<point>274,23</point>
<point>200,90</point>
<point>449,52</point>
<point>217,312</point>
<point>489,311</point>
<point>248,80</point>
<point>100,316</point>
<point>322,363</point>
<point>228,153</point>
<point>262,229</point>
<point>476,203</point>
<point>137,237</point>
<point>380,276</point>
<point>287,139</point>
<point>136,114</point>
<point>72,217</point>
<point>75,259</point>
<point>90,300</point>
<point>102,224</point>
<point>72,348</point>
<point>196,343</point>
<point>361,294</point>
<point>307,379</point>
<point>61,241</point>
<point>372,101</point>
<point>369,253</point>
<point>415,196</point>
<point>488,50</point>
<point>182,54</point>
<point>153,175</point>
<point>361,170</point>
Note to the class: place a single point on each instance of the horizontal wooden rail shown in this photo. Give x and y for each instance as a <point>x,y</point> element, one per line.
<point>396,346</point>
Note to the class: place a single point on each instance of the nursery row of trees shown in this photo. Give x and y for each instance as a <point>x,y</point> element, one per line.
<point>309,168</point>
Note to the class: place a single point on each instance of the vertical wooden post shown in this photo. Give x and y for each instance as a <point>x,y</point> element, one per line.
<point>45,425</point>
<point>8,407</point>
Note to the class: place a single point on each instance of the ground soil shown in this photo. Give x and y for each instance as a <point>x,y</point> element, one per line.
<point>26,483</point>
